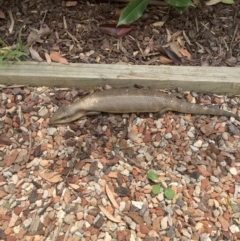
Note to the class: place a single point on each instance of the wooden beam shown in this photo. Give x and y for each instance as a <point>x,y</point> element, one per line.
<point>85,76</point>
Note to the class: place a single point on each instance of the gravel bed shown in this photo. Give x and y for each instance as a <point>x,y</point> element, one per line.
<point>87,180</point>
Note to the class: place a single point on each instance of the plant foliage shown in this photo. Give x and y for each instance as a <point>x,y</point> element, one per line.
<point>13,53</point>
<point>135,8</point>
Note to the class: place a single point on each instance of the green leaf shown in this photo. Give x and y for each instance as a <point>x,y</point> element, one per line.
<point>152,176</point>
<point>181,9</point>
<point>180,3</point>
<point>169,193</point>
<point>228,1</point>
<point>132,11</point>
<point>156,189</point>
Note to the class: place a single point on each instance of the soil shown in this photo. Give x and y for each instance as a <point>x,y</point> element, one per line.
<point>208,34</point>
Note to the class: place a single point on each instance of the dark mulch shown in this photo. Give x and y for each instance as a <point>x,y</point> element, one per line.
<point>211,33</point>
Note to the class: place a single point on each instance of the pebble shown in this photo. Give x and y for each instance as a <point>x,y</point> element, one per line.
<point>104,128</point>
<point>148,156</point>
<point>27,222</point>
<point>125,172</point>
<point>7,174</point>
<point>198,143</point>
<point>45,194</point>
<point>181,168</point>
<point>216,213</point>
<point>11,110</point>
<point>160,196</point>
<point>158,124</point>
<point>24,129</point>
<point>155,143</point>
<point>168,136</point>
<point>205,237</point>
<point>197,191</point>
<point>137,204</point>
<point>186,233</point>
<point>234,229</point>
<point>114,226</point>
<point>51,131</point>
<point>122,205</point>
<point>133,136</point>
<point>233,171</point>
<point>43,111</point>
<point>190,134</point>
<point>194,148</point>
<point>214,179</point>
<point>69,218</point>
<point>164,222</point>
<point>225,136</point>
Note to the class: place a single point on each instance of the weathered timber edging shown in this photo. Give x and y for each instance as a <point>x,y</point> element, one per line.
<point>203,79</point>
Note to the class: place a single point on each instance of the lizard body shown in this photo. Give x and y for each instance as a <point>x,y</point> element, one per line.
<point>130,101</point>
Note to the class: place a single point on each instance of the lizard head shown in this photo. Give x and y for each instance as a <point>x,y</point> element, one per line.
<point>66,113</point>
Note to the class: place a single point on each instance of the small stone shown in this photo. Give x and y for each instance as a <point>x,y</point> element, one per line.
<point>193,148</point>
<point>24,129</point>
<point>186,233</point>
<point>144,229</point>
<point>180,202</point>
<point>27,222</point>
<point>43,111</point>
<point>190,134</point>
<point>214,179</point>
<point>45,194</point>
<point>69,218</point>
<point>198,143</point>
<point>204,237</point>
<point>233,171</point>
<point>51,131</point>
<point>170,232</point>
<point>160,196</point>
<point>164,222</point>
<point>133,136</point>
<point>155,143</point>
<point>168,136</point>
<point>125,172</point>
<point>137,204</point>
<point>216,213</point>
<point>234,229</point>
<point>99,221</point>
<point>195,174</point>
<point>225,136</point>
<point>181,168</point>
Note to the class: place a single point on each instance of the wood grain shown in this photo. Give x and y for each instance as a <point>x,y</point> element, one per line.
<point>85,76</point>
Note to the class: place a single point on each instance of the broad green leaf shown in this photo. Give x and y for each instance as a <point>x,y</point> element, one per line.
<point>212,2</point>
<point>152,176</point>
<point>181,9</point>
<point>169,193</point>
<point>228,1</point>
<point>180,3</point>
<point>132,11</point>
<point>156,189</point>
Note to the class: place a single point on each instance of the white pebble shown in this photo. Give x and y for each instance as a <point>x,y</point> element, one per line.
<point>198,143</point>
<point>125,172</point>
<point>233,171</point>
<point>164,222</point>
<point>234,229</point>
<point>195,149</point>
<point>168,136</point>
